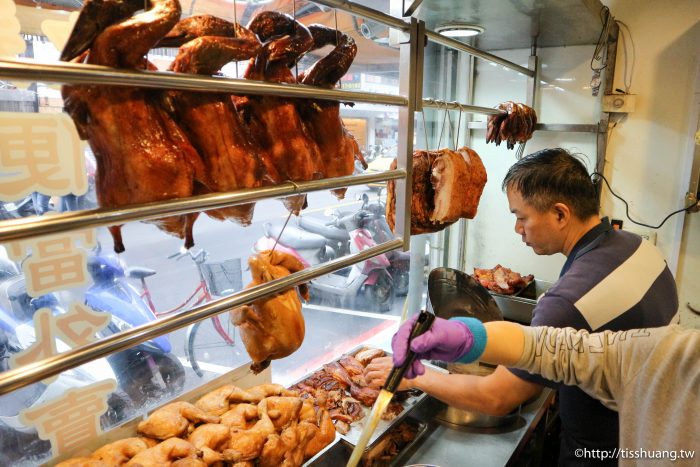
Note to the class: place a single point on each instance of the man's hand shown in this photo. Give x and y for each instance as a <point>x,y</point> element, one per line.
<point>377,372</point>
<point>446,340</point>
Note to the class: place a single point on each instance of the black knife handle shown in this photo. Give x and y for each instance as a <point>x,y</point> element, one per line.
<point>422,324</point>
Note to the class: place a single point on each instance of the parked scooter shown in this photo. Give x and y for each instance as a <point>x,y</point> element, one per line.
<point>148,370</point>
<point>367,284</point>
<point>377,225</point>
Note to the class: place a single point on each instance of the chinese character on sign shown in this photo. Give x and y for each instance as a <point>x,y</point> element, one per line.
<point>73,419</point>
<point>55,263</point>
<point>76,328</point>
<point>39,152</point>
<point>11,43</point>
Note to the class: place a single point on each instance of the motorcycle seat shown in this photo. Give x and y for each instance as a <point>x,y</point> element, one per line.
<point>318,226</point>
<point>297,238</point>
<point>139,272</point>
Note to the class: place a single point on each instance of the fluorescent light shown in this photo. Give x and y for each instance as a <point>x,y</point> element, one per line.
<point>460,30</point>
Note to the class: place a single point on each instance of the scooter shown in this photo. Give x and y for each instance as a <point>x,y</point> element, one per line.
<point>367,284</point>
<point>400,261</point>
<point>148,370</point>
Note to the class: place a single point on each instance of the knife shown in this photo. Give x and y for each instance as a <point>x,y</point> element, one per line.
<point>422,324</point>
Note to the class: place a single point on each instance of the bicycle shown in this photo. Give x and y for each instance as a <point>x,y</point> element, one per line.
<point>216,279</point>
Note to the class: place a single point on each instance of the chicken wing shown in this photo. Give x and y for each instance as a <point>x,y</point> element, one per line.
<point>166,454</point>
<point>174,419</point>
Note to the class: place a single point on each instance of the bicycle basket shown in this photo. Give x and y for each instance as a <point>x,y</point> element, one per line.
<point>223,277</point>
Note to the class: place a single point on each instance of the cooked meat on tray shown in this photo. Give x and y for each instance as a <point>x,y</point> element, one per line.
<point>271,327</point>
<point>447,186</point>
<point>502,280</point>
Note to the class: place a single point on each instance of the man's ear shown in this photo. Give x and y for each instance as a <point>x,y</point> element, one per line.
<point>562,213</point>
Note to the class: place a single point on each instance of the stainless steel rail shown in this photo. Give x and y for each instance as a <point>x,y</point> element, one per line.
<point>37,371</point>
<point>78,73</point>
<point>457,45</point>
<point>27,227</point>
<point>474,109</point>
<point>396,23</point>
<point>366,12</point>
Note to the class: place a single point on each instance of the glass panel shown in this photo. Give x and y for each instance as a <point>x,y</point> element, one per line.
<point>155,276</point>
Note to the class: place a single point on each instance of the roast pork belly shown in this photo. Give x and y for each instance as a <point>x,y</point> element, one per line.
<point>447,186</point>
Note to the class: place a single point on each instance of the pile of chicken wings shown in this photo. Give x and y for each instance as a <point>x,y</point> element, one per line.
<point>266,425</point>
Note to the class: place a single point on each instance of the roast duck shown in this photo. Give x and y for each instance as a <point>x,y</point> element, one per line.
<point>266,425</point>
<point>154,145</point>
<point>515,125</point>
<point>447,186</point>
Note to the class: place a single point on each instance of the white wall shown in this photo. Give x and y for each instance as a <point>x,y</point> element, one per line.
<point>648,152</point>
<point>564,97</point>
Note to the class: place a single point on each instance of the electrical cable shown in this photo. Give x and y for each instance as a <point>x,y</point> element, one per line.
<point>627,208</point>
<point>601,46</point>
<point>625,29</point>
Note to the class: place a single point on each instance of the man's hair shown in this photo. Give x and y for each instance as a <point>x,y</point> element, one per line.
<point>552,176</point>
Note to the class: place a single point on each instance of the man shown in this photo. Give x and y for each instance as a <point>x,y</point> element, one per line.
<point>651,376</point>
<point>611,280</point>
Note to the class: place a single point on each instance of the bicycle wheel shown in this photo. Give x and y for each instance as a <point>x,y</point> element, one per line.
<point>210,345</point>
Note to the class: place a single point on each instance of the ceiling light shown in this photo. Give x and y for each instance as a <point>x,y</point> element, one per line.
<point>460,30</point>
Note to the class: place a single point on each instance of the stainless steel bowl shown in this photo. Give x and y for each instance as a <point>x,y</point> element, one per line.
<point>454,293</point>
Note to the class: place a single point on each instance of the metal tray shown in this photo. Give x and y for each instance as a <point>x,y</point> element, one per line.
<point>353,436</point>
<point>339,453</point>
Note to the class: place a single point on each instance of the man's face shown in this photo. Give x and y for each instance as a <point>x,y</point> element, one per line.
<point>541,231</point>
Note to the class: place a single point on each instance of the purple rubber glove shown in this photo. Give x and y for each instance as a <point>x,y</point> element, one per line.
<point>446,340</point>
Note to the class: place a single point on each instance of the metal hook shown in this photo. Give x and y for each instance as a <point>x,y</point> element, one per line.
<point>444,120</point>
<point>459,123</point>
<point>430,100</point>
<point>235,22</point>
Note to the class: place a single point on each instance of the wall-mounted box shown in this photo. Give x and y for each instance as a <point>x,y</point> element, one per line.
<point>621,103</point>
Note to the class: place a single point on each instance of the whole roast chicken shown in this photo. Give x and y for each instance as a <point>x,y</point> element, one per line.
<point>142,154</point>
<point>272,327</point>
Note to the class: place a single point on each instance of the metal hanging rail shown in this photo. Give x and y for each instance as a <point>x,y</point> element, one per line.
<point>444,105</point>
<point>397,23</point>
<point>27,227</point>
<point>37,371</point>
<point>457,45</point>
<point>78,73</point>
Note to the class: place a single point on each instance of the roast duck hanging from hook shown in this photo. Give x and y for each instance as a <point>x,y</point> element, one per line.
<point>154,145</point>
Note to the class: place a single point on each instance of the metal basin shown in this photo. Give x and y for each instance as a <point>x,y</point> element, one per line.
<point>454,293</point>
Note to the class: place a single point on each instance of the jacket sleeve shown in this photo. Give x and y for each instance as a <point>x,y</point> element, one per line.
<point>599,363</point>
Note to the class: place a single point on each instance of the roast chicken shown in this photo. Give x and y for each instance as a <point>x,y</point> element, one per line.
<point>515,125</point>
<point>231,157</point>
<point>142,154</point>
<point>173,452</point>
<point>447,186</point>
<point>271,327</point>
<point>338,147</point>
